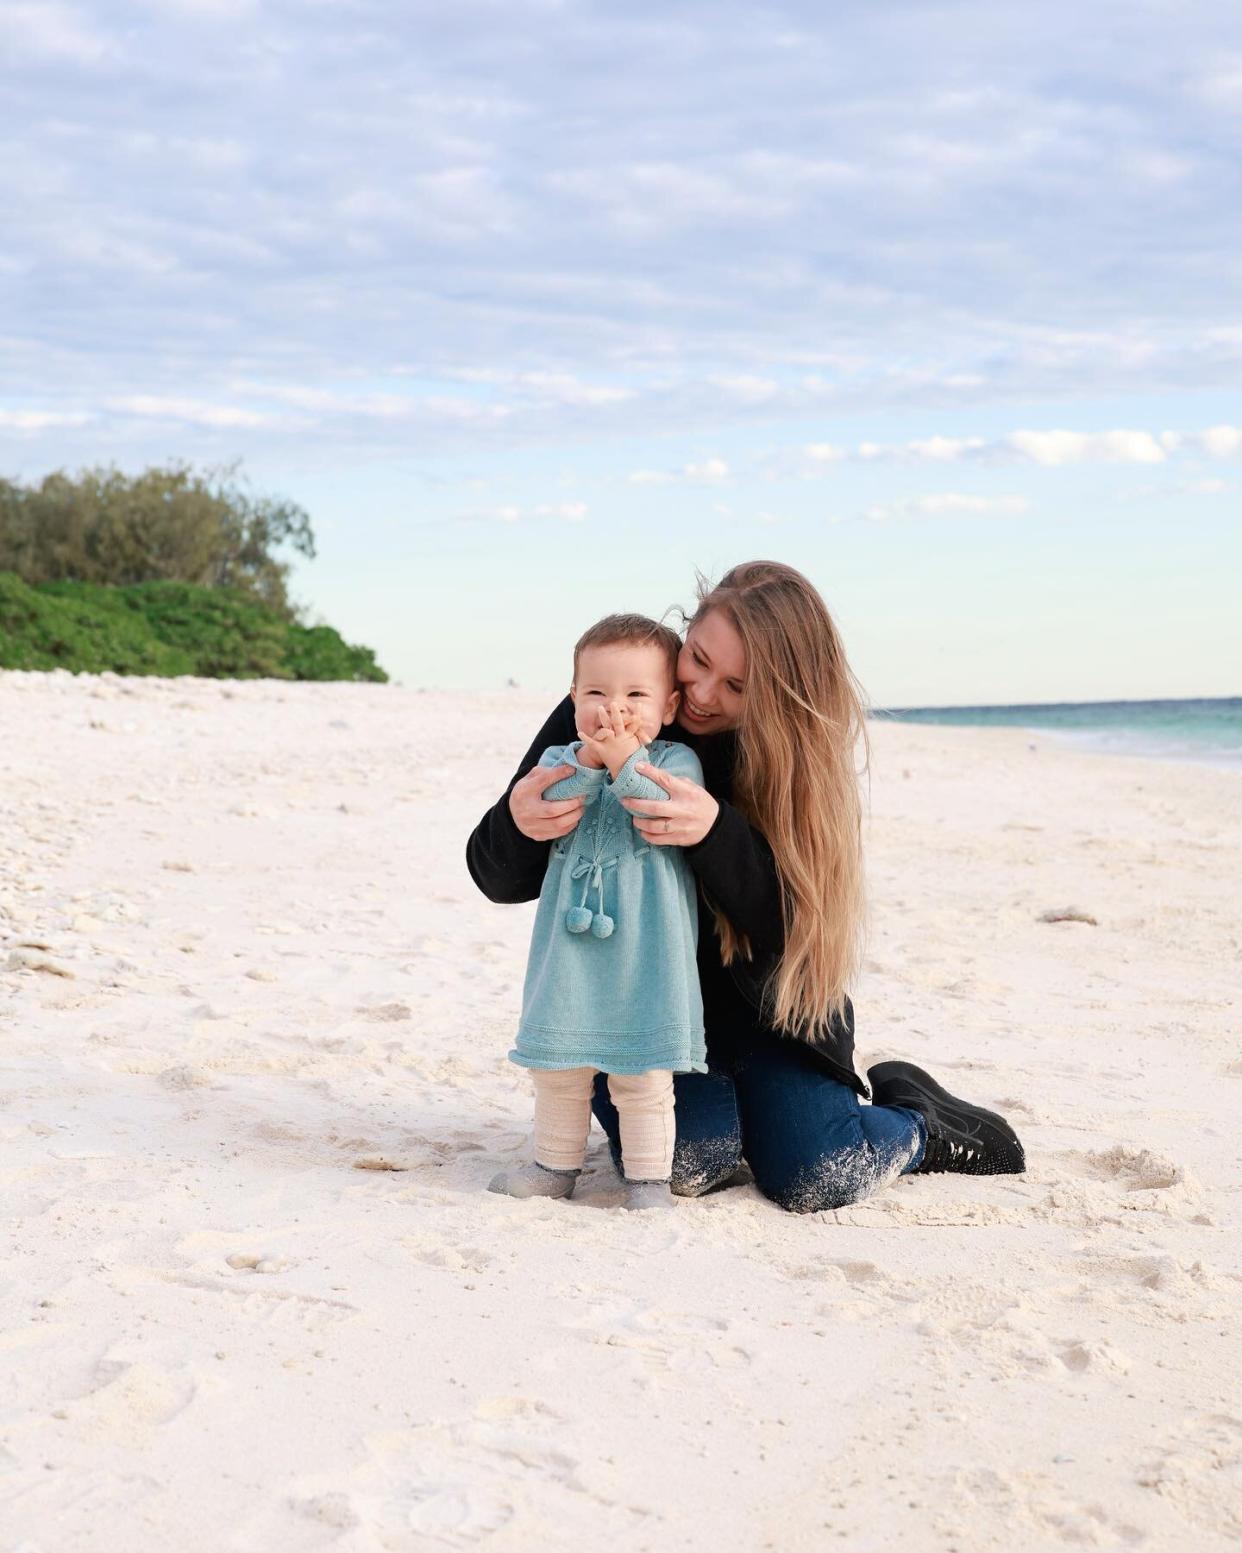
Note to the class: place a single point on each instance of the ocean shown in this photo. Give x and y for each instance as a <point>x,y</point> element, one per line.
<point>1199,730</point>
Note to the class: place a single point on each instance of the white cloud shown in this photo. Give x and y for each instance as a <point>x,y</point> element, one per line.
<point>944,449</point>
<point>565,388</point>
<point>712,471</point>
<point>485,190</point>
<point>1053,448</point>
<point>53,31</point>
<point>746,389</point>
<point>947,504</point>
<point>937,449</point>
<point>1221,441</point>
<point>41,420</point>
<point>1222,87</point>
<point>570,511</point>
<point>512,512</point>
<point>1207,486</point>
<point>193,411</point>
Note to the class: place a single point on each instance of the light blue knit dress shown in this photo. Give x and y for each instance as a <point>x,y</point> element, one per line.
<point>611,982</point>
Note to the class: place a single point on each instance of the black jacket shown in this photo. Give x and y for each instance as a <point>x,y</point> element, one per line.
<point>734,868</point>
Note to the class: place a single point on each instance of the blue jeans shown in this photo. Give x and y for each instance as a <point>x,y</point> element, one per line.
<point>810,1142</point>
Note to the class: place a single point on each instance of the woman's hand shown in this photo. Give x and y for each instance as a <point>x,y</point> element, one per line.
<point>540,818</point>
<point>682,821</point>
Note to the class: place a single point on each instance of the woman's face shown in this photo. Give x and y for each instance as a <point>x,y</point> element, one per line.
<point>711,675</point>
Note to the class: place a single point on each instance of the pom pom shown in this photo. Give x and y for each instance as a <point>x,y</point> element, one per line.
<point>601,926</point>
<point>578,919</point>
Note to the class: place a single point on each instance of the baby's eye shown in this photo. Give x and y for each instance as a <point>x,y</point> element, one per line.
<point>637,695</point>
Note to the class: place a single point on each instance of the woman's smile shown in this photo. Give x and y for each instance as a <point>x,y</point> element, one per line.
<point>696,713</point>
<point>711,672</point>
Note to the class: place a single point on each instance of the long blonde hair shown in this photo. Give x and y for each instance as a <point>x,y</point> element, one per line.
<point>803,714</point>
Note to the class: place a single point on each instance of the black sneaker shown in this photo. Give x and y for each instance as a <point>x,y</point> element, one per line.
<point>960,1137</point>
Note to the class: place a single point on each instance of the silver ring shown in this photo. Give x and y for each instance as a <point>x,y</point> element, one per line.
<point>668,825</point>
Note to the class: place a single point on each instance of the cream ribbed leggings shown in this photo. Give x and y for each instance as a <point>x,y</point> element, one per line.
<point>644,1103</point>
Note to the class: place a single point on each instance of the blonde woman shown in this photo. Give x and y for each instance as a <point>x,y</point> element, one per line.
<point>773,836</point>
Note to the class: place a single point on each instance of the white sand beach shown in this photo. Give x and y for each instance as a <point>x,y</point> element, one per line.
<point>254,1020</point>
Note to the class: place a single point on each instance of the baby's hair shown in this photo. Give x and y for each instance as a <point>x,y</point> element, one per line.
<point>633,631</point>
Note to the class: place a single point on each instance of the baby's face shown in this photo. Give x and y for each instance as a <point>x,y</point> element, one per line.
<point>634,678</point>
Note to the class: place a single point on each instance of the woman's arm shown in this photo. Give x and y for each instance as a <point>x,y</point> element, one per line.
<point>505,864</point>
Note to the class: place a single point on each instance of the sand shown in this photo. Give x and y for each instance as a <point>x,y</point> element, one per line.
<point>255,1016</point>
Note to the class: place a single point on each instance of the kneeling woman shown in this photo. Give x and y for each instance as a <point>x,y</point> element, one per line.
<point>774,837</point>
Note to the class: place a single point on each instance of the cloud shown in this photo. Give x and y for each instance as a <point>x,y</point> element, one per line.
<point>42,29</point>
<point>938,449</point>
<point>192,411</point>
<point>1053,448</point>
<point>712,471</point>
<point>947,504</point>
<point>41,420</point>
<point>564,205</point>
<point>748,389</point>
<point>1221,87</point>
<point>1049,449</point>
<point>1206,486</point>
<point>512,512</point>
<point>1221,441</point>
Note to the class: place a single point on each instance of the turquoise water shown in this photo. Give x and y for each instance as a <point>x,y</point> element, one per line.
<point>1202,730</point>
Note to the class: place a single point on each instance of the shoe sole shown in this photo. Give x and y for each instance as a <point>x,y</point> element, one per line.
<point>904,1084</point>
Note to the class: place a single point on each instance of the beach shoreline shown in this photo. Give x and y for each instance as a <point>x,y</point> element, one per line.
<point>256,1018</point>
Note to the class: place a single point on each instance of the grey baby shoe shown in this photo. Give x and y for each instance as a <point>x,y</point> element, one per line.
<point>640,1195</point>
<point>534,1180</point>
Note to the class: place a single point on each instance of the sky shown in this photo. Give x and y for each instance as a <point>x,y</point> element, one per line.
<point>541,307</point>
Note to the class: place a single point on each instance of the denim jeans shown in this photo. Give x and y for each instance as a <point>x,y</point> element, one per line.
<point>809,1140</point>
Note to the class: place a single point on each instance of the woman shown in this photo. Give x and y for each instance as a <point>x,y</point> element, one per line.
<point>772,710</point>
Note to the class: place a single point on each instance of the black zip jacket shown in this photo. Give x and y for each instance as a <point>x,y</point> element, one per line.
<point>734,867</point>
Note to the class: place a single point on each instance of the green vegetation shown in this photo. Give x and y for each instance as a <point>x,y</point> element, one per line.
<point>166,628</point>
<point>167,572</point>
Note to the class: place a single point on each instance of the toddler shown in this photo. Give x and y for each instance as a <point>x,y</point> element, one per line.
<point>611,982</point>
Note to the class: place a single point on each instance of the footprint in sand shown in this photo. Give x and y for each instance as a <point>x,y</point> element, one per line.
<point>1094,1355</point>
<point>450,1258</point>
<point>668,1340</point>
<point>1196,1471</point>
<point>130,1395</point>
<point>1030,1509</point>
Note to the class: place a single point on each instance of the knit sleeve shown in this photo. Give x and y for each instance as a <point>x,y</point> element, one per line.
<point>585,782</point>
<point>676,759</point>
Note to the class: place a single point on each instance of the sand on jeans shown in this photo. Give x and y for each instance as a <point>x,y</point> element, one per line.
<point>254,1020</point>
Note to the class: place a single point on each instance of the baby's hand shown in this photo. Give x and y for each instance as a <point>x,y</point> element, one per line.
<point>615,739</point>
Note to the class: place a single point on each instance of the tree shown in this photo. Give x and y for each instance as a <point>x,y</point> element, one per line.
<point>165,524</point>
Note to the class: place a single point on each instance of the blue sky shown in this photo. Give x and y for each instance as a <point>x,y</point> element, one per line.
<point>537,306</point>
